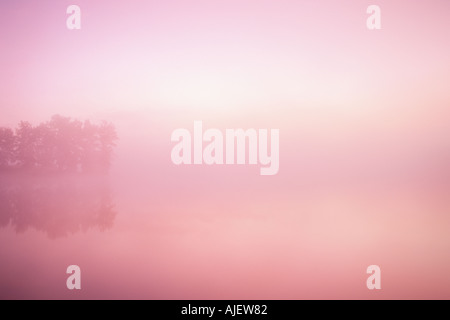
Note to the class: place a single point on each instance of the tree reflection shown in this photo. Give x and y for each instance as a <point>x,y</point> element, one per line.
<point>57,205</point>
<point>54,177</point>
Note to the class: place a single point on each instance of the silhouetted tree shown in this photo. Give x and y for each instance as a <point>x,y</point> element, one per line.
<point>25,145</point>
<point>97,146</point>
<point>7,147</point>
<point>107,136</point>
<point>58,145</point>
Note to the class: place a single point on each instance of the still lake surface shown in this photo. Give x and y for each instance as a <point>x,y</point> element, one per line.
<point>137,235</point>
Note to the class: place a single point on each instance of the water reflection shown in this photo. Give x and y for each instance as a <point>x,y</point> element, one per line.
<point>58,205</point>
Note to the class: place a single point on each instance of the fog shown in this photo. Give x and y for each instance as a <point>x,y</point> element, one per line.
<point>86,176</point>
<point>140,226</point>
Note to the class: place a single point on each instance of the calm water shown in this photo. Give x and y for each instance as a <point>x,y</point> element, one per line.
<point>134,238</point>
<point>364,155</point>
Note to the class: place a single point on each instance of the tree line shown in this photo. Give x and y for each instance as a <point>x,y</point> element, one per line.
<point>61,144</point>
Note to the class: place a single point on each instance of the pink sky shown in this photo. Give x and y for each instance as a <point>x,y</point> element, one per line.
<point>364,122</point>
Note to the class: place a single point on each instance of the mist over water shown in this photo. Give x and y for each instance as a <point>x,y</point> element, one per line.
<point>364,173</point>
<point>56,205</point>
<point>146,228</point>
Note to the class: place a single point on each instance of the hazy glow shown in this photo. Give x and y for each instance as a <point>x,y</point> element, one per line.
<point>364,122</point>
